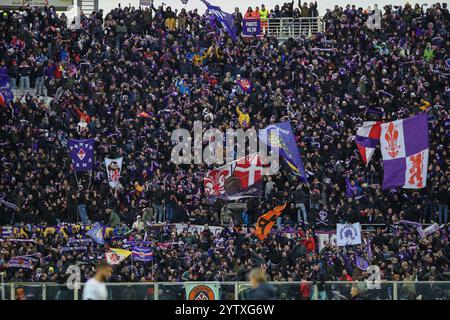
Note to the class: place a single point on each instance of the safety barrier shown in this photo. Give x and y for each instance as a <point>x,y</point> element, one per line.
<point>334,290</point>
<point>285,28</point>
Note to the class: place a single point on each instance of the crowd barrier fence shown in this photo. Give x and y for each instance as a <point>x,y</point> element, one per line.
<point>333,290</point>
<point>285,28</point>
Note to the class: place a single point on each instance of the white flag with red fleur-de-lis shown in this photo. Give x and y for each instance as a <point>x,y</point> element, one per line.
<point>404,146</point>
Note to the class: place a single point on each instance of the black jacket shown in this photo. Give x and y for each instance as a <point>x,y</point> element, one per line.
<point>264,292</point>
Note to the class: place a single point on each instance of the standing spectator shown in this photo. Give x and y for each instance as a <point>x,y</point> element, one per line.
<point>24,76</point>
<point>443,200</point>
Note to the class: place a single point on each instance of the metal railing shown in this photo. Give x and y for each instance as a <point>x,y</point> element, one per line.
<point>285,28</point>
<point>334,290</point>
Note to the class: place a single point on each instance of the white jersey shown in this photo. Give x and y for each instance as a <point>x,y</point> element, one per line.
<point>95,290</point>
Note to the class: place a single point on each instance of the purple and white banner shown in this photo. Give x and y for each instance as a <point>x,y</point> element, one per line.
<point>81,153</point>
<point>348,234</point>
<point>404,146</point>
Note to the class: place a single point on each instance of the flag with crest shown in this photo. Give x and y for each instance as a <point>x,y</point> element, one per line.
<point>281,136</point>
<point>81,153</point>
<point>115,255</point>
<point>143,254</point>
<point>96,233</point>
<point>113,169</point>
<point>404,147</point>
<point>246,85</point>
<point>238,179</point>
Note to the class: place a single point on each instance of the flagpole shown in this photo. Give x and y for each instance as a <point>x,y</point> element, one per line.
<point>90,178</point>
<point>3,285</point>
<point>76,178</point>
<point>164,206</point>
<point>153,263</point>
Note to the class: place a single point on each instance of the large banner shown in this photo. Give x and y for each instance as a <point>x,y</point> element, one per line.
<point>59,4</point>
<point>238,179</point>
<point>113,169</point>
<point>285,141</point>
<point>404,146</point>
<point>348,234</point>
<point>195,291</point>
<point>180,227</point>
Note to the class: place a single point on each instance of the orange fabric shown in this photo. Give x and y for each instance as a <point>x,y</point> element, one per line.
<point>253,14</point>
<point>143,115</point>
<point>266,222</point>
<point>86,117</point>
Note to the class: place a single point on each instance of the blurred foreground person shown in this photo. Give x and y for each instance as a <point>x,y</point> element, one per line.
<point>95,288</point>
<point>261,290</point>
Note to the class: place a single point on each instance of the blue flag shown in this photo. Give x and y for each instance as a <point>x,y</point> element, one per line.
<point>285,141</point>
<point>184,89</point>
<point>226,19</point>
<point>142,254</point>
<point>81,153</point>
<point>96,233</point>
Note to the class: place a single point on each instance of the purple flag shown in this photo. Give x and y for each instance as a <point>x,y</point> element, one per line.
<point>361,263</point>
<point>282,136</point>
<point>226,19</point>
<point>404,146</point>
<point>81,153</point>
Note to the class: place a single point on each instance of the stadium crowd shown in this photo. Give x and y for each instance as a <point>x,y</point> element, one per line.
<point>229,254</point>
<point>128,79</point>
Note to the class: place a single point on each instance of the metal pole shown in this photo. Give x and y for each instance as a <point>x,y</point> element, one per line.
<point>236,290</point>
<point>3,286</point>
<point>44,291</point>
<point>315,292</point>
<point>75,293</point>
<point>13,288</point>
<point>156,291</point>
<point>395,293</point>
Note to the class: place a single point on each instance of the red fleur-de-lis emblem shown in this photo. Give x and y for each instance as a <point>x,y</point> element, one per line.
<point>391,137</point>
<point>215,182</point>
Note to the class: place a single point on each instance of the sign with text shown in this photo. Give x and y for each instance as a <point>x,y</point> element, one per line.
<point>251,27</point>
<point>61,4</point>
